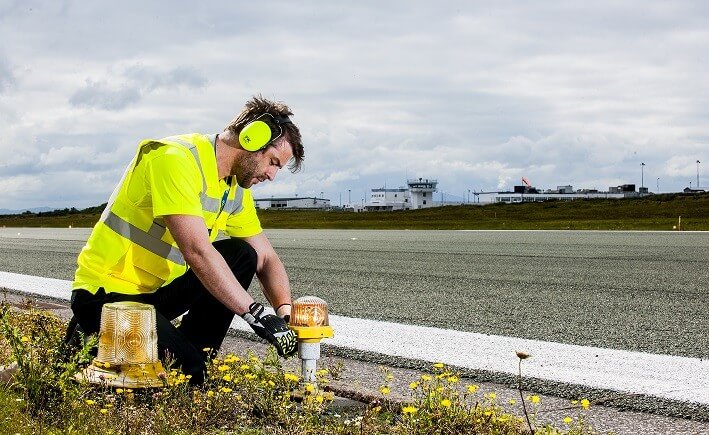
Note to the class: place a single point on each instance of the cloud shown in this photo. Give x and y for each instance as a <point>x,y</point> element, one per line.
<point>7,77</point>
<point>129,87</point>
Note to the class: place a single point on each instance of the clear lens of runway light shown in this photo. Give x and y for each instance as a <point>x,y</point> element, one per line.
<point>127,348</point>
<point>310,321</point>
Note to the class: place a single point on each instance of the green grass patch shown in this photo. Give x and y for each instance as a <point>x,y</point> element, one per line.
<point>244,394</point>
<point>656,212</point>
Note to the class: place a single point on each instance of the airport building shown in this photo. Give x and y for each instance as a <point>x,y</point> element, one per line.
<point>418,194</point>
<point>292,203</point>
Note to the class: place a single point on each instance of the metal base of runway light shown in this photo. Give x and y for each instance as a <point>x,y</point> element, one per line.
<point>309,353</point>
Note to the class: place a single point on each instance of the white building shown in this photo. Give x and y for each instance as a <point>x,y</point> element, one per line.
<point>421,191</point>
<point>292,203</point>
<point>384,199</point>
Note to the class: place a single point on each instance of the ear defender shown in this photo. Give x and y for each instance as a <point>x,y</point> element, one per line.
<point>257,134</point>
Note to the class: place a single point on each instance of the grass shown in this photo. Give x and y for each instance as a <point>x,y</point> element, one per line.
<point>656,212</point>
<point>243,395</point>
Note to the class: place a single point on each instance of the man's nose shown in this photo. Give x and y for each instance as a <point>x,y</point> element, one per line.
<point>271,173</point>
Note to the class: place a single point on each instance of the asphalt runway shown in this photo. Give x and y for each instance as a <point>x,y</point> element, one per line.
<point>639,291</point>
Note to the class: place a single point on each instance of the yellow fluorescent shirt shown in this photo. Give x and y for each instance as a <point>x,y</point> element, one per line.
<point>164,179</point>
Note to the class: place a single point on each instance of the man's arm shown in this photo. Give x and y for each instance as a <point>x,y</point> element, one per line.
<point>272,274</point>
<point>191,236</point>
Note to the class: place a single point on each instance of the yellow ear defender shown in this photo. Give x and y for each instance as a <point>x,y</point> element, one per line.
<point>258,134</point>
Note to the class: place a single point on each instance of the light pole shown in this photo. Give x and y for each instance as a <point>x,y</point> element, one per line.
<point>642,175</point>
<point>349,197</point>
<point>468,196</point>
<point>658,184</point>
<point>698,162</point>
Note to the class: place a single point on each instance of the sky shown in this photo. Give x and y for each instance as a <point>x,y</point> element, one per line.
<point>472,94</point>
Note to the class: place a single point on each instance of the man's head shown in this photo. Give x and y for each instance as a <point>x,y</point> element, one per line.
<point>275,115</point>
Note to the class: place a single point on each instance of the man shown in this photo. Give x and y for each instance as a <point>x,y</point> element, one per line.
<point>156,240</point>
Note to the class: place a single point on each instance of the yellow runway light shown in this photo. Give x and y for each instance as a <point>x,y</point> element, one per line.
<point>127,348</point>
<point>310,322</point>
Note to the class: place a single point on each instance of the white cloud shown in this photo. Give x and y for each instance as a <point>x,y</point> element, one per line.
<point>471,93</point>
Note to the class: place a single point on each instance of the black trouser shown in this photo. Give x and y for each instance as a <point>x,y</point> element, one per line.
<point>204,326</point>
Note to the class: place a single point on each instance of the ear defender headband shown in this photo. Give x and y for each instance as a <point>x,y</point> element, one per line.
<point>257,134</point>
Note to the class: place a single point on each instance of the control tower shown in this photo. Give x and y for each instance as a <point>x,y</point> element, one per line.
<point>421,191</point>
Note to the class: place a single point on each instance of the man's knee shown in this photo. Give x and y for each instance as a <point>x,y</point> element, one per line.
<point>238,254</point>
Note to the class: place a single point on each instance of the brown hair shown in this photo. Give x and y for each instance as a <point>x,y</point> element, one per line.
<point>256,107</point>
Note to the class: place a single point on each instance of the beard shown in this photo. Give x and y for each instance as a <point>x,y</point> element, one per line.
<point>245,170</point>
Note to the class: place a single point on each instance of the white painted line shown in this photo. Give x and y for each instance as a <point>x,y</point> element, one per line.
<point>671,377</point>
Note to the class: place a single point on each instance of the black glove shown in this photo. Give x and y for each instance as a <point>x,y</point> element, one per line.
<point>272,329</point>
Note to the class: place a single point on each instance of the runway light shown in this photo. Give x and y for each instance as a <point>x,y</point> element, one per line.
<point>127,348</point>
<point>311,323</point>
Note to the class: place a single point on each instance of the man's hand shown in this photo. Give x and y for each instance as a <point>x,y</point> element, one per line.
<point>272,329</point>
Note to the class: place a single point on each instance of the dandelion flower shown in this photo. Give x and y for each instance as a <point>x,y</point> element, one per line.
<point>319,398</point>
<point>414,385</point>
<point>522,354</point>
<point>438,365</point>
<point>309,387</point>
<point>90,402</point>
<point>568,420</point>
<point>25,339</point>
<point>446,403</point>
<point>225,390</point>
<point>453,379</point>
<point>291,377</point>
<point>210,393</point>
<point>574,402</point>
<point>472,388</point>
<point>244,367</point>
<point>119,390</point>
<point>512,401</point>
<point>492,396</point>
<point>585,404</point>
<point>426,378</point>
<point>250,376</point>
<point>227,377</point>
<point>223,368</point>
<point>384,389</point>
<point>535,399</point>
<point>409,409</point>
<point>103,410</point>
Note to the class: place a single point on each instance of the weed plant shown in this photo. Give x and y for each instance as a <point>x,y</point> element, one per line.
<point>243,394</point>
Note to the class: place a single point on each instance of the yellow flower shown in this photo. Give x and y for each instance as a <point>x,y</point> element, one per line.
<point>453,379</point>
<point>414,385</point>
<point>227,377</point>
<point>119,390</point>
<point>512,401</point>
<point>90,402</point>
<point>309,387</point>
<point>585,404</point>
<point>426,378</point>
<point>210,393</point>
<point>410,409</point>
<point>107,365</point>
<point>108,405</point>
<point>568,420</point>
<point>446,403</point>
<point>319,398</point>
<point>291,377</point>
<point>271,383</point>
<point>206,349</point>
<point>244,367</point>
<point>438,365</point>
<point>472,389</point>
<point>250,376</point>
<point>223,368</point>
<point>535,399</point>
<point>103,410</point>
<point>25,339</point>
<point>225,390</point>
<point>492,396</point>
<point>574,402</point>
<point>384,389</point>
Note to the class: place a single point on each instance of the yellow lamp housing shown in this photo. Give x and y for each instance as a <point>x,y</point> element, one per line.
<point>127,348</point>
<point>309,319</point>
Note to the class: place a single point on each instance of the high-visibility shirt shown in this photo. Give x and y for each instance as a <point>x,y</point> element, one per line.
<point>130,250</point>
